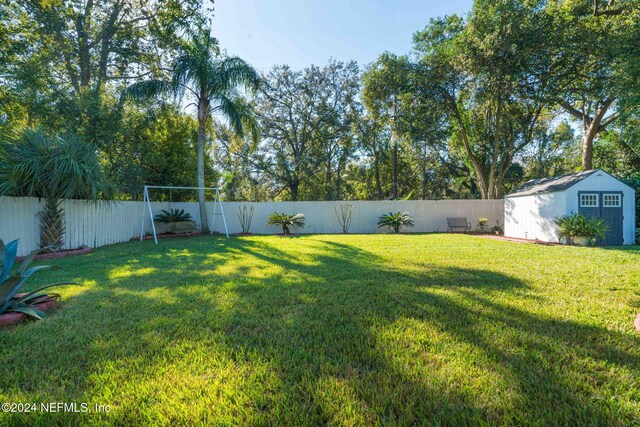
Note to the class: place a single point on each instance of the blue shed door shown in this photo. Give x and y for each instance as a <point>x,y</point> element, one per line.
<point>607,205</point>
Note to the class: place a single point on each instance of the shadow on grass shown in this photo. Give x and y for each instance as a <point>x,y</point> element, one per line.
<point>321,333</point>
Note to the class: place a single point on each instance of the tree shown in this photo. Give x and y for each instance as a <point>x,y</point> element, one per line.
<point>101,41</point>
<point>385,84</point>
<point>305,119</point>
<point>54,168</point>
<point>481,74</point>
<point>592,53</point>
<point>372,138</point>
<point>155,145</point>
<point>212,81</point>
<point>64,60</point>
<point>553,152</point>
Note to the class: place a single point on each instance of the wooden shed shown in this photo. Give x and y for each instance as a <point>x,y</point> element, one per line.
<point>530,211</point>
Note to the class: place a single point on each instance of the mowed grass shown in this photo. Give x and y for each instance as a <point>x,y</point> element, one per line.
<point>344,330</point>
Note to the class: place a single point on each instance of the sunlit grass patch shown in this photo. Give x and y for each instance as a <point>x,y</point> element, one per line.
<point>351,330</point>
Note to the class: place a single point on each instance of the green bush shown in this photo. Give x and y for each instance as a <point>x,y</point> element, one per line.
<point>497,229</point>
<point>396,221</point>
<point>578,225</point>
<point>286,221</point>
<point>54,168</point>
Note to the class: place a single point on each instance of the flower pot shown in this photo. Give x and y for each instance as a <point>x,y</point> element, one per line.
<point>581,240</point>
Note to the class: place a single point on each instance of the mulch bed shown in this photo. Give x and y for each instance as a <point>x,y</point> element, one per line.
<point>82,250</point>
<point>10,319</point>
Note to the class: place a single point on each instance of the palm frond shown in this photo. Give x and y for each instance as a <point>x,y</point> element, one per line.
<point>146,90</point>
<point>232,72</point>
<point>234,112</point>
<point>53,167</point>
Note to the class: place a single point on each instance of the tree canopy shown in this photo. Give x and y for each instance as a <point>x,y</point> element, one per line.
<point>514,90</point>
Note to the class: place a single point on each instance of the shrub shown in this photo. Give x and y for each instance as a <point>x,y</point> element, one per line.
<point>54,168</point>
<point>396,221</point>
<point>286,221</point>
<point>245,216</point>
<point>174,215</point>
<point>482,221</point>
<point>10,285</point>
<point>497,229</point>
<point>344,216</point>
<point>578,225</point>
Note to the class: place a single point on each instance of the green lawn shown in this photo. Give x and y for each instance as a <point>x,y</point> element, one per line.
<point>347,330</point>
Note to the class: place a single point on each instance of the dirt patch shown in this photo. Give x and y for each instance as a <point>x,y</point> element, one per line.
<point>518,240</point>
<point>168,235</point>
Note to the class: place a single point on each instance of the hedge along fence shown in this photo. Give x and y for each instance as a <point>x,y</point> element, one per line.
<point>99,224</point>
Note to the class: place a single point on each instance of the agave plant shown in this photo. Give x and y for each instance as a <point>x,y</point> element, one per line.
<point>396,221</point>
<point>173,215</point>
<point>286,221</point>
<point>10,285</point>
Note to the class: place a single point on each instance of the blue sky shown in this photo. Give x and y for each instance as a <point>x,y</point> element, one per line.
<point>305,32</point>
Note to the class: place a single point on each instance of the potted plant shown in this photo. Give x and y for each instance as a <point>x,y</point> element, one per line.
<point>395,221</point>
<point>16,307</point>
<point>286,221</point>
<point>482,222</point>
<point>497,229</point>
<point>175,221</point>
<point>580,229</point>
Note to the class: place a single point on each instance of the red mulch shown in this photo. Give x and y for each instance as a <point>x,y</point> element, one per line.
<point>9,319</point>
<point>82,250</point>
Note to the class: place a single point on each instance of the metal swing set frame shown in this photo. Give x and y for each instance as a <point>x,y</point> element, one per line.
<point>217,201</point>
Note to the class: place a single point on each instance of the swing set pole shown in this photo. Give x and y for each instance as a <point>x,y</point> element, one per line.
<point>217,200</point>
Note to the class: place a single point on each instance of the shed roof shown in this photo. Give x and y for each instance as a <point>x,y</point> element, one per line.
<point>550,185</point>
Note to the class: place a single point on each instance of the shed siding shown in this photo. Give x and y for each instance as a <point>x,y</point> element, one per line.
<point>533,216</point>
<point>602,181</point>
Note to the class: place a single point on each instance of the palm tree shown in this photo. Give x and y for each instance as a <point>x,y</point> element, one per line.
<point>213,81</point>
<point>54,168</point>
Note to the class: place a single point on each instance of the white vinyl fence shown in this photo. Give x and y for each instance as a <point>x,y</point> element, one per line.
<point>99,224</point>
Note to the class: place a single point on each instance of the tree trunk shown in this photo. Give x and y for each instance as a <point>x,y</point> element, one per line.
<point>376,164</point>
<point>591,125</point>
<point>394,179</point>
<point>328,190</point>
<point>293,188</point>
<point>587,148</point>
<point>52,225</point>
<point>202,118</point>
<point>591,130</point>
